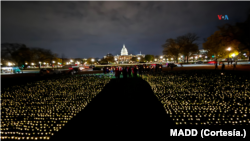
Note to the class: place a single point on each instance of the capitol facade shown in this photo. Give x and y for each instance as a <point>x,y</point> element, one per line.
<point>125,57</point>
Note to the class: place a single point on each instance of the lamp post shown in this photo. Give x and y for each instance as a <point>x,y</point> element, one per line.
<point>161,58</point>
<point>116,60</point>
<point>92,60</point>
<point>139,59</point>
<point>58,65</point>
<point>229,49</point>
<point>53,64</point>
<point>233,55</point>
<point>39,65</point>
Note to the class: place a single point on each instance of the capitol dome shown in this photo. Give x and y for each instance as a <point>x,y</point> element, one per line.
<point>124,51</point>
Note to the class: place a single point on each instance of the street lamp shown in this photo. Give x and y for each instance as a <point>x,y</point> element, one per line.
<point>233,55</point>
<point>92,61</point>
<point>155,60</point>
<point>58,65</point>
<point>39,65</point>
<point>139,59</point>
<point>229,49</point>
<point>53,63</point>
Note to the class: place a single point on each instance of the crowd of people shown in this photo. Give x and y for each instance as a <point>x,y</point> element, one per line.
<point>233,63</point>
<point>204,97</point>
<point>131,71</point>
<point>37,110</point>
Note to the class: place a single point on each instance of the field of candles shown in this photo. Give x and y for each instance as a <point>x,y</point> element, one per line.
<point>37,110</point>
<point>204,97</point>
<point>52,109</point>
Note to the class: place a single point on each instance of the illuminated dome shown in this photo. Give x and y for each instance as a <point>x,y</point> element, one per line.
<point>124,51</point>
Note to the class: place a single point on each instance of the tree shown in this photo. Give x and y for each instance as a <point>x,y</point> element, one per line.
<point>239,32</point>
<point>110,59</point>
<point>149,57</point>
<point>172,48</point>
<point>18,53</point>
<point>42,55</point>
<point>189,47</point>
<point>104,61</point>
<point>89,61</point>
<point>218,43</point>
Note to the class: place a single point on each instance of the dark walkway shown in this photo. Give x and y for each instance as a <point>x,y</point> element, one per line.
<point>123,110</point>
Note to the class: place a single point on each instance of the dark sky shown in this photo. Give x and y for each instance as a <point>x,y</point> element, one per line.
<point>93,29</point>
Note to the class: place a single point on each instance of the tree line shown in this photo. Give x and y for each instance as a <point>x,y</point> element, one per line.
<point>236,37</point>
<point>20,54</point>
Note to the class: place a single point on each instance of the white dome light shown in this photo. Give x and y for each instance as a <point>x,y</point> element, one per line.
<point>124,51</point>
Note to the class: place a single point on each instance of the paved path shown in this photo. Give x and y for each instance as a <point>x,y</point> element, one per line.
<point>126,109</point>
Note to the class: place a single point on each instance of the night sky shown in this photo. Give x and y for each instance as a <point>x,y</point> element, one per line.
<point>93,29</point>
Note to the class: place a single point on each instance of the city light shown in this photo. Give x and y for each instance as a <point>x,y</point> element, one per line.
<point>39,62</point>
<point>161,57</point>
<point>9,64</point>
<point>233,55</point>
<point>26,63</point>
<point>229,49</point>
<point>171,58</point>
<point>92,60</point>
<point>44,63</point>
<point>205,56</point>
<point>53,61</point>
<point>200,55</point>
<point>32,63</point>
<point>155,59</point>
<point>195,57</point>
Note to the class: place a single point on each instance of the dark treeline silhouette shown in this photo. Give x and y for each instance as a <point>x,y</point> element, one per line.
<point>20,54</point>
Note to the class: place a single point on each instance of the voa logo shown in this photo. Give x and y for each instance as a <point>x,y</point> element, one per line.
<point>223,17</point>
<point>186,132</point>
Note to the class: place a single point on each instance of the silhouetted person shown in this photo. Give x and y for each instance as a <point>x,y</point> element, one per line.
<point>124,72</point>
<point>234,65</point>
<point>151,69</point>
<point>172,66</point>
<point>129,71</point>
<point>223,66</point>
<point>120,71</point>
<point>231,63</point>
<point>147,69</point>
<point>104,70</point>
<point>140,71</point>
<point>107,69</point>
<point>117,73</point>
<point>216,65</point>
<point>228,62</point>
<point>160,68</point>
<point>135,71</point>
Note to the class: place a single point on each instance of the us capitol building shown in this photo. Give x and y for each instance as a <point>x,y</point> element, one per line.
<point>124,57</point>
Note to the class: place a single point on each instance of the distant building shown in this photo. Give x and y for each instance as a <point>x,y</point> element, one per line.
<point>203,51</point>
<point>124,57</point>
